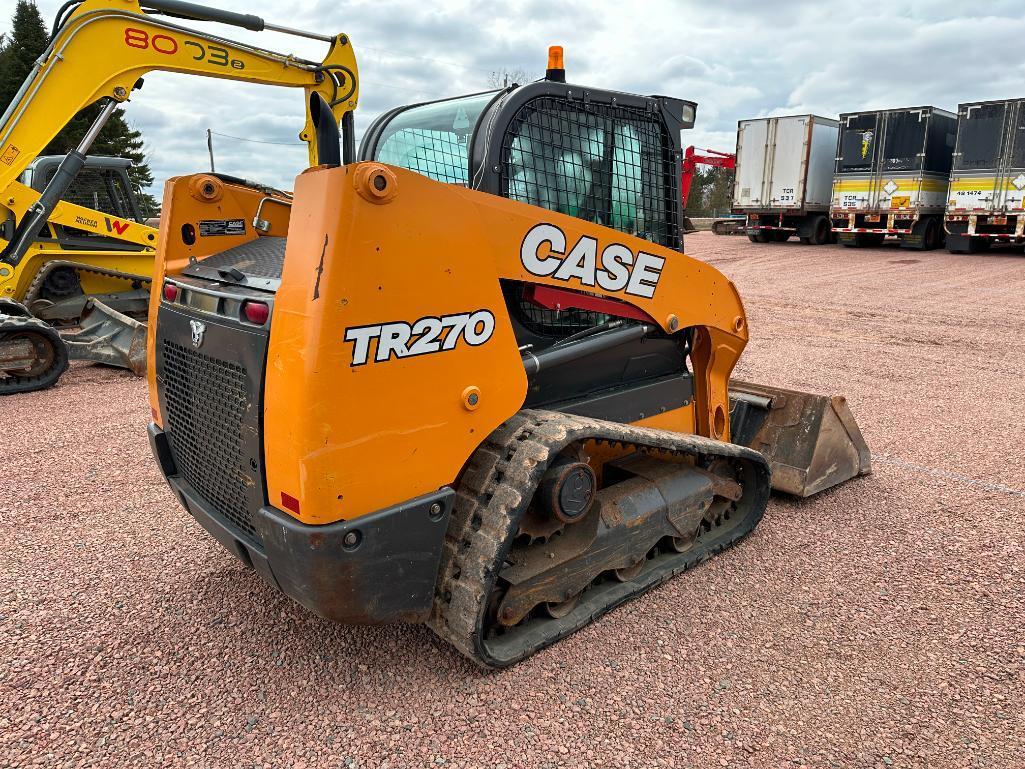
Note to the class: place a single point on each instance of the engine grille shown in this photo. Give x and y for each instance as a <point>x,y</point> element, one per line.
<point>206,401</point>
<point>260,258</point>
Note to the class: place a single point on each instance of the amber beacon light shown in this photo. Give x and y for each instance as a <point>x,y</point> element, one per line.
<point>556,65</point>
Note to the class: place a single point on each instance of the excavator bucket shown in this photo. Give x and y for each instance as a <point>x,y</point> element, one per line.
<point>811,441</point>
<point>107,336</point>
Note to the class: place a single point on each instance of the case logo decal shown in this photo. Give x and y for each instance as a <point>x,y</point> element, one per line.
<point>422,337</point>
<point>616,268</point>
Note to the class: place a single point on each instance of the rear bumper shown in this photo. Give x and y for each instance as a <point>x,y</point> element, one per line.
<point>386,573</point>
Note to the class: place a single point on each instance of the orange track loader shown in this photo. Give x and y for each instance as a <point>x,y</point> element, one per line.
<point>470,379</point>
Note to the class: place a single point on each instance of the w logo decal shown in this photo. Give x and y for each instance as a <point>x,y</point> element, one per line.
<point>113,225</point>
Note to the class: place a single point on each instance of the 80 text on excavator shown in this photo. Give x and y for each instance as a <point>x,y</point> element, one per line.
<point>471,378</point>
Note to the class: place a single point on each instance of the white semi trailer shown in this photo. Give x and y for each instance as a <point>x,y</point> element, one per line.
<point>784,177</point>
<point>892,175</point>
<point>986,203</point>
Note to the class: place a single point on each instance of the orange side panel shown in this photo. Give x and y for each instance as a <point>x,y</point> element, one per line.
<point>346,439</point>
<point>374,246</point>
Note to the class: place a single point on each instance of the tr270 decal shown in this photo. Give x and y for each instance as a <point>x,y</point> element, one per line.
<point>422,337</point>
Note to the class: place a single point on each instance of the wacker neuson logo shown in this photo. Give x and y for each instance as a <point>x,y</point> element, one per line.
<point>616,269</point>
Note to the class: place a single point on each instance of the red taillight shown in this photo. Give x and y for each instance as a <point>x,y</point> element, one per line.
<point>170,292</point>
<point>290,503</point>
<point>256,312</point>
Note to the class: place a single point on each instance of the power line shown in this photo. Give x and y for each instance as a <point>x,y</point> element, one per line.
<point>263,141</point>
<point>400,54</point>
<point>257,141</point>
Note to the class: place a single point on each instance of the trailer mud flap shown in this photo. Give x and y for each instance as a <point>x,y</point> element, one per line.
<point>811,441</point>
<point>107,336</point>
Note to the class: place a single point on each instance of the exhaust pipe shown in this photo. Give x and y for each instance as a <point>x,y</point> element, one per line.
<point>324,123</point>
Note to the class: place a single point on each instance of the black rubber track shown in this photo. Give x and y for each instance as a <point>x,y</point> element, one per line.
<point>12,384</point>
<point>496,490</point>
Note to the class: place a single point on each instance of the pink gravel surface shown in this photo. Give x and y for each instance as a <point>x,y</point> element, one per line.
<point>880,624</point>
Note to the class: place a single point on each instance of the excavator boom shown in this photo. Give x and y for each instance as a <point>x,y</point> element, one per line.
<point>70,75</point>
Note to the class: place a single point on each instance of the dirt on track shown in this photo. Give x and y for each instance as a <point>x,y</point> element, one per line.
<point>880,624</point>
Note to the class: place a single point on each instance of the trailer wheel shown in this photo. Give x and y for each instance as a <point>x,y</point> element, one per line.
<point>931,236</point>
<point>820,231</point>
<point>759,237</point>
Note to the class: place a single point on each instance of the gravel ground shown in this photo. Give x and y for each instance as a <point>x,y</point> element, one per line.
<point>879,624</point>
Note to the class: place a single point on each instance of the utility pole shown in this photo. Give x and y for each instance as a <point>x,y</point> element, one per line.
<point>210,147</point>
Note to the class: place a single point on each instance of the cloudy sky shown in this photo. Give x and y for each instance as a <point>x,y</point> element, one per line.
<point>736,58</point>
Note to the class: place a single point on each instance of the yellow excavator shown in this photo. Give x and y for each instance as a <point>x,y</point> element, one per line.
<point>65,258</point>
<point>469,377</point>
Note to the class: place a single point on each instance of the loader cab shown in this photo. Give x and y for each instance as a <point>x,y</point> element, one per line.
<point>603,156</point>
<point>606,157</point>
<point>102,185</point>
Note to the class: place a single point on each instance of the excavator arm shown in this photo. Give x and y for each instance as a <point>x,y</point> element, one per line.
<point>691,161</point>
<point>19,198</point>
<point>73,73</point>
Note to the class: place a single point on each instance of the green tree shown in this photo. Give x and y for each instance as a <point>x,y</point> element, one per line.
<point>711,193</point>
<point>720,191</point>
<point>18,52</point>
<point>117,138</point>
<point>20,49</point>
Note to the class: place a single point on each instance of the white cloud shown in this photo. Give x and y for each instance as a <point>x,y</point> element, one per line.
<point>737,59</point>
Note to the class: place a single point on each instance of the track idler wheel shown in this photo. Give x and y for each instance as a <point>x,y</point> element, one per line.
<point>563,608</point>
<point>32,355</point>
<point>630,572</point>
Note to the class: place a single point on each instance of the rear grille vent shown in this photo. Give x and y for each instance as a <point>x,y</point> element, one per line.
<point>207,400</point>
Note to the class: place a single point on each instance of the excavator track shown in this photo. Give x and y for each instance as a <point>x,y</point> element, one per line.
<point>34,291</point>
<point>32,355</point>
<point>509,587</point>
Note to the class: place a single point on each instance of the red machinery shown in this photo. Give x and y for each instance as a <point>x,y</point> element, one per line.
<point>713,159</point>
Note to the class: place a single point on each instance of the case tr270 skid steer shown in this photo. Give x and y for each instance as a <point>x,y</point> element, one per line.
<point>473,380</point>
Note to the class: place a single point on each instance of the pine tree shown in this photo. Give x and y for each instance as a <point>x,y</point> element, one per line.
<point>26,43</point>
<point>118,139</point>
